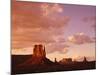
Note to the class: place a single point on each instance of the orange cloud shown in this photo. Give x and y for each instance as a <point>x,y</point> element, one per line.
<point>29,26</point>
<point>59,47</point>
<point>23,51</point>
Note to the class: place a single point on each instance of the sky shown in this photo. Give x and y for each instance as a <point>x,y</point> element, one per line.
<point>66,30</point>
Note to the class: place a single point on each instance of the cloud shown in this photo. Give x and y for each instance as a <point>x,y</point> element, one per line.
<point>51,9</point>
<point>23,51</point>
<point>30,26</point>
<point>91,20</point>
<point>59,47</point>
<point>25,39</point>
<point>32,18</point>
<point>80,38</point>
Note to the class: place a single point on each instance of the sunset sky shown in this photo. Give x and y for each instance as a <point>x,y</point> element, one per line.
<point>66,30</point>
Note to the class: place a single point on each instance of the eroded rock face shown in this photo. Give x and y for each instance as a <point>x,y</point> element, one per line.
<point>39,54</point>
<point>39,51</point>
<point>38,57</point>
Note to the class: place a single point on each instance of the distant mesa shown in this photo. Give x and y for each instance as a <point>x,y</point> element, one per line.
<point>69,60</point>
<point>65,61</point>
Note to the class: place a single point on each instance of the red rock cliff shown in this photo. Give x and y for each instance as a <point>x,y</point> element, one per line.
<point>39,51</point>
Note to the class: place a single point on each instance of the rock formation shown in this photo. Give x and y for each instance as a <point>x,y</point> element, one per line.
<point>65,61</point>
<point>39,54</point>
<point>39,51</point>
<point>85,60</point>
<point>38,57</point>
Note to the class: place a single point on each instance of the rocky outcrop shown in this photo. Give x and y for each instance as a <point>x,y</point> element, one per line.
<point>85,60</point>
<point>38,57</point>
<point>39,51</point>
